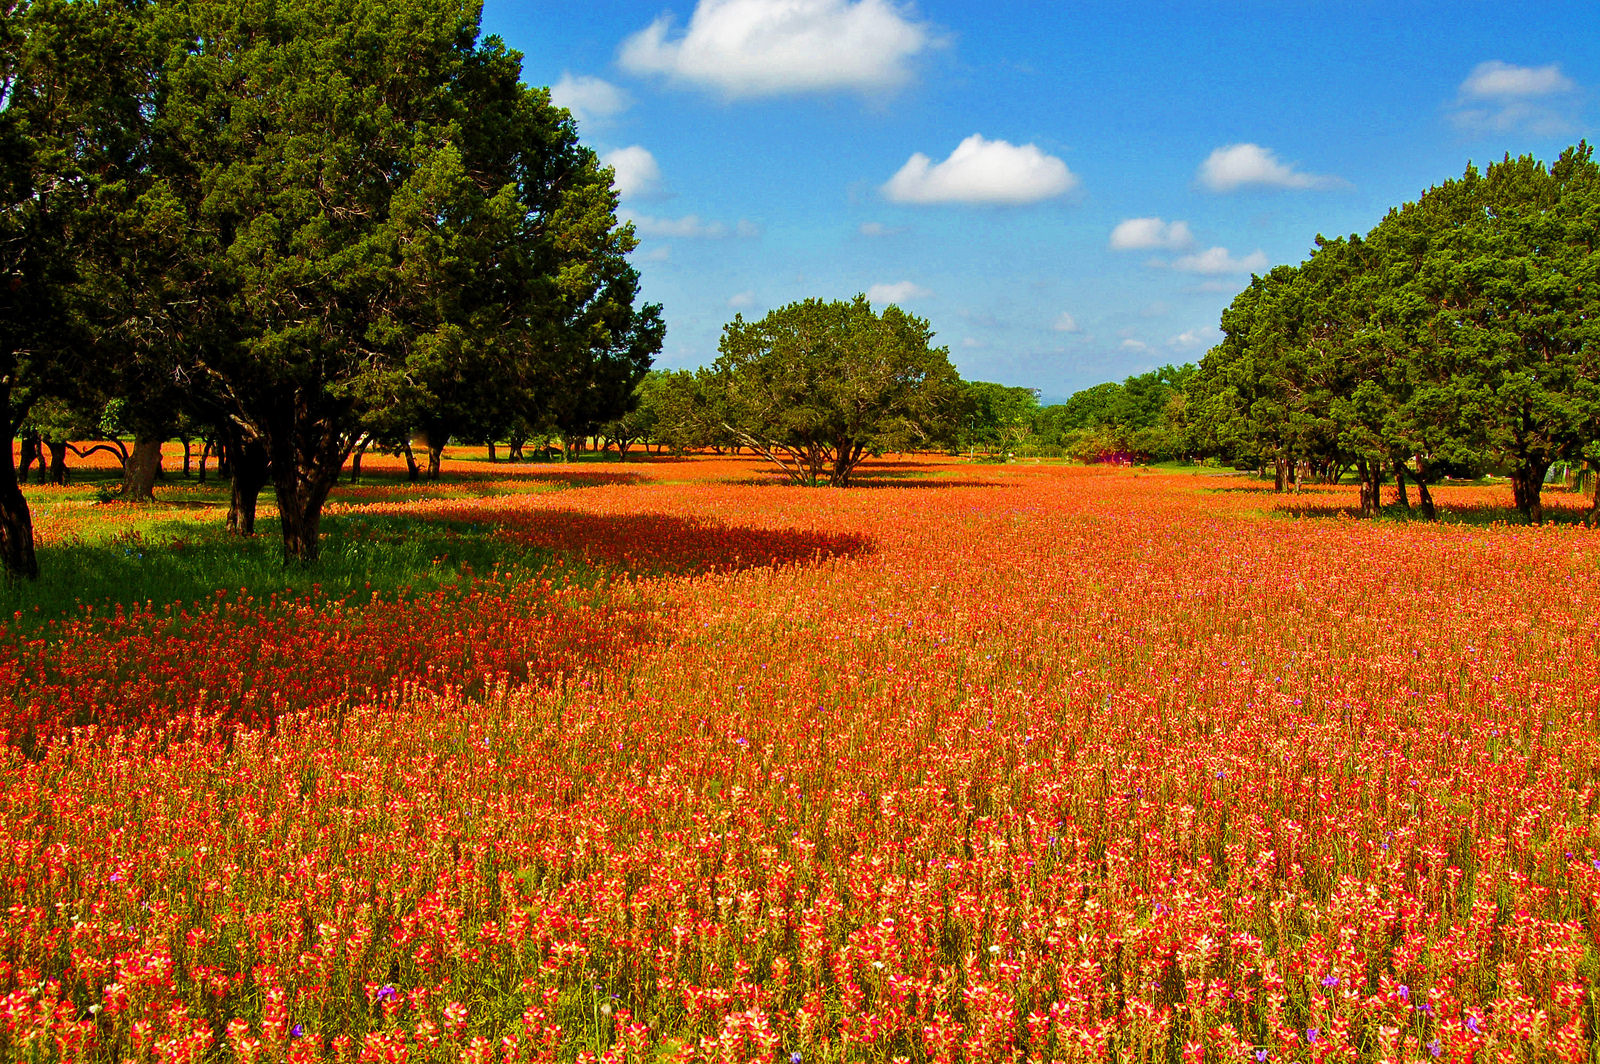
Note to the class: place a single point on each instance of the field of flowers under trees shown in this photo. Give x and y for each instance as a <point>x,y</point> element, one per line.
<point>968,764</point>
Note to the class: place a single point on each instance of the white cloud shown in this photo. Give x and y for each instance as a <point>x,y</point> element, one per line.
<point>690,226</point>
<point>659,253</point>
<point>1495,80</point>
<point>972,344</point>
<point>982,171</point>
<point>742,300</point>
<point>1066,323</point>
<point>1134,345</point>
<point>636,172</point>
<point>1142,234</point>
<point>1499,97</point>
<point>591,100</point>
<point>876,229</point>
<point>1214,261</point>
<point>1201,337</point>
<point>898,292</point>
<point>771,47</point>
<point>1236,165</point>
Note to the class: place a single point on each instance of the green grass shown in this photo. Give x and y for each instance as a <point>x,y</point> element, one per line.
<point>177,550</point>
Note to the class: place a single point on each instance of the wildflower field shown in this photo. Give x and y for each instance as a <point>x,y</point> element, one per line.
<point>667,760</point>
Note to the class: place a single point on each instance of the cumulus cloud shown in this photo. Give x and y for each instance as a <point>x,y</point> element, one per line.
<point>1237,165</point>
<point>1202,337</point>
<point>772,47</point>
<point>1499,97</point>
<point>591,100</point>
<point>898,292</point>
<point>982,171</point>
<point>1496,80</point>
<point>690,226</point>
<point>1066,323</point>
<point>1134,345</point>
<point>1143,234</point>
<point>636,173</point>
<point>741,300</point>
<point>1214,261</point>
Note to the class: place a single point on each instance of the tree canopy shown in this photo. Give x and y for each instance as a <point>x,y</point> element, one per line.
<point>312,222</point>
<point>1459,334</point>
<point>817,386</point>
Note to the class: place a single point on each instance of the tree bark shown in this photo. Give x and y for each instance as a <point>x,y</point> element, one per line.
<point>491,451</point>
<point>1527,486</point>
<point>1371,483</point>
<point>32,451</point>
<point>58,462</point>
<point>16,523</point>
<point>435,454</point>
<point>205,453</point>
<point>139,473</point>
<point>249,463</point>
<point>412,472</point>
<point>1400,483</point>
<point>355,457</point>
<point>1425,496</point>
<point>302,476</point>
<point>186,457</point>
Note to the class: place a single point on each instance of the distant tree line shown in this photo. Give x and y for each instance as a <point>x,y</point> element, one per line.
<point>1461,336</point>
<point>293,231</point>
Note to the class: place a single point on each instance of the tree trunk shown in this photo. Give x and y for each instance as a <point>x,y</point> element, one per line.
<point>186,457</point>
<point>205,453</point>
<point>435,453</point>
<point>491,451</point>
<point>16,524</point>
<point>1371,483</point>
<point>302,477</point>
<point>412,472</point>
<point>139,473</point>
<point>249,462</point>
<point>1424,496</point>
<point>58,462</point>
<point>1280,474</point>
<point>355,457</point>
<point>1527,485</point>
<point>32,451</point>
<point>1400,483</point>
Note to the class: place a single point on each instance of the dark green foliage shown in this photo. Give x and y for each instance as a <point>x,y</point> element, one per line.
<point>815,387</point>
<point>1459,334</point>
<point>1142,419</point>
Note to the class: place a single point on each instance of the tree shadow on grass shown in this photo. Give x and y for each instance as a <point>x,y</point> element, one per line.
<point>1474,515</point>
<point>177,629</point>
<point>174,560</point>
<point>659,543</point>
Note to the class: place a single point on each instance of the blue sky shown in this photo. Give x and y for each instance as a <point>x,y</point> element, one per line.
<point>1070,192</point>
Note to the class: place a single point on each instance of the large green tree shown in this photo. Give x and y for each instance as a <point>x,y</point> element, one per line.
<point>74,99</point>
<point>817,386</point>
<point>378,217</point>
